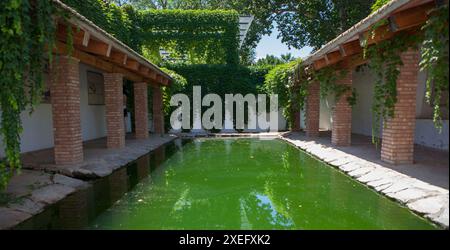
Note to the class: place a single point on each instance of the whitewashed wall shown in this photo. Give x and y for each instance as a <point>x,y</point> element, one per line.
<point>93,120</point>
<point>38,127</point>
<point>425,133</point>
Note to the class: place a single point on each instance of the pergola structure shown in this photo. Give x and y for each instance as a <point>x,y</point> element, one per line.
<point>346,52</point>
<point>95,47</point>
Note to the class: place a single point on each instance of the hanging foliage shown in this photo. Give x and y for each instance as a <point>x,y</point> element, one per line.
<point>291,91</point>
<point>434,61</point>
<point>385,61</point>
<point>26,30</point>
<point>195,36</point>
<point>328,77</point>
<point>204,36</point>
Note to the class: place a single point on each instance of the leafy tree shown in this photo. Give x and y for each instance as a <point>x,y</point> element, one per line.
<point>271,60</point>
<point>315,22</point>
<point>378,4</point>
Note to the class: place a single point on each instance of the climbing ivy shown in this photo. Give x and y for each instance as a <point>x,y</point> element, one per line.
<point>27,31</point>
<point>205,36</point>
<point>195,36</point>
<point>434,60</point>
<point>385,61</point>
<point>291,93</point>
<point>328,78</point>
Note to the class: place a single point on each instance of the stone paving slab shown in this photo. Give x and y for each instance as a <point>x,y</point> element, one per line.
<point>30,192</point>
<point>41,184</point>
<point>427,200</point>
<point>99,161</point>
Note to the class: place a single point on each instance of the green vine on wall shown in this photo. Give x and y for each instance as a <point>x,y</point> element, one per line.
<point>27,31</point>
<point>434,60</point>
<point>385,61</point>
<point>328,78</point>
<point>202,36</point>
<point>292,91</point>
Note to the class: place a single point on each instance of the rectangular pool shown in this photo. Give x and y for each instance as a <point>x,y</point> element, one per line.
<point>246,184</point>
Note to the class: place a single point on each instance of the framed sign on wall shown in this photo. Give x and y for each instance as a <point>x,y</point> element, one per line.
<point>96,88</point>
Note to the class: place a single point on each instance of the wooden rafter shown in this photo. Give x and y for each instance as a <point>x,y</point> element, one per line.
<point>404,20</point>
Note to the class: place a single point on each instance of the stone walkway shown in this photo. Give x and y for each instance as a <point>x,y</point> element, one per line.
<point>420,196</point>
<point>42,184</point>
<point>98,160</point>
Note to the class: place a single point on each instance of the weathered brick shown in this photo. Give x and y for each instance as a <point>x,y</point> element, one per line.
<point>398,134</point>
<point>313,110</point>
<point>115,123</point>
<point>140,110</point>
<point>342,115</point>
<point>65,99</point>
<point>158,116</point>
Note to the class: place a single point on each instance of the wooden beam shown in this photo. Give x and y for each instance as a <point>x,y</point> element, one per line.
<point>412,17</point>
<point>160,79</point>
<point>125,59</point>
<point>393,27</point>
<point>321,63</point>
<point>342,50</point>
<point>334,57</point>
<point>95,47</point>
<point>352,48</point>
<point>132,64</point>
<point>86,38</point>
<point>117,57</point>
<point>153,74</point>
<point>97,62</point>
<point>108,52</point>
<point>405,20</point>
<point>144,70</point>
<point>326,59</point>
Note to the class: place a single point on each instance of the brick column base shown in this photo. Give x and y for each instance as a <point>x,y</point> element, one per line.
<point>65,99</point>
<point>158,116</point>
<point>296,122</point>
<point>341,130</point>
<point>114,110</point>
<point>140,110</point>
<point>313,110</point>
<point>398,133</point>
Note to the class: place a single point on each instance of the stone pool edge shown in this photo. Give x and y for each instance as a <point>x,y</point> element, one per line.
<point>37,190</point>
<point>426,200</point>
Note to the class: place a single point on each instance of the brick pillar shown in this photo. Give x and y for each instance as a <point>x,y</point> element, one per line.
<point>141,110</point>
<point>398,133</point>
<point>295,127</point>
<point>341,129</point>
<point>296,121</point>
<point>114,110</point>
<point>158,117</point>
<point>65,99</point>
<point>313,110</point>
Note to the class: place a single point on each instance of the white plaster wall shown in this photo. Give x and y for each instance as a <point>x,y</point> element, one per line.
<point>38,127</point>
<point>93,120</point>
<point>37,130</point>
<point>427,135</point>
<point>425,132</point>
<point>325,114</point>
<point>363,82</point>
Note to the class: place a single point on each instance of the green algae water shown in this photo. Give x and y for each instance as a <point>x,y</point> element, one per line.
<point>251,184</point>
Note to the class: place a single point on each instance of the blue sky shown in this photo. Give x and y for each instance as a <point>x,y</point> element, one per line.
<point>271,45</point>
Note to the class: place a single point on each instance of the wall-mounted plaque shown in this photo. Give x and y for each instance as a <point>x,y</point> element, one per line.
<point>96,88</point>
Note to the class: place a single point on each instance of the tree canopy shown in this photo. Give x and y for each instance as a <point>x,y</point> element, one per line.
<point>301,23</point>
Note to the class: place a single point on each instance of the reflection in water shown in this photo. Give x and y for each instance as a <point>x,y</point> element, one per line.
<point>227,184</point>
<point>251,184</point>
